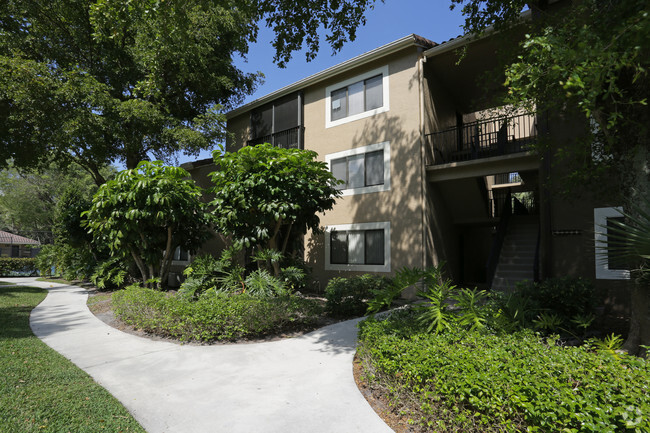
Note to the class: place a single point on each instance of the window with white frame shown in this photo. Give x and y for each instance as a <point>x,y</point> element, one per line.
<point>606,268</point>
<point>362,170</point>
<point>356,98</point>
<point>358,247</point>
<point>181,256</point>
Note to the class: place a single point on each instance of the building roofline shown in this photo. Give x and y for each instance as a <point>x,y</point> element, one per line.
<point>362,59</point>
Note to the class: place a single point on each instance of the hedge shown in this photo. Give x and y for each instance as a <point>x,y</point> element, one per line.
<point>17,267</point>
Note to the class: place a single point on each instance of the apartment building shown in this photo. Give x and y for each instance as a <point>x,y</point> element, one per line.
<point>433,171</point>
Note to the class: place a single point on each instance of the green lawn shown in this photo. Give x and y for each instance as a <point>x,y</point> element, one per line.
<point>41,391</point>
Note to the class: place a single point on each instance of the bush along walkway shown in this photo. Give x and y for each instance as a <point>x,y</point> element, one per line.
<point>40,390</point>
<point>294,385</point>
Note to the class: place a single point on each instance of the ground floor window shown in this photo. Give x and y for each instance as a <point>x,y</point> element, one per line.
<point>181,256</point>
<point>15,251</point>
<point>606,268</point>
<point>358,247</point>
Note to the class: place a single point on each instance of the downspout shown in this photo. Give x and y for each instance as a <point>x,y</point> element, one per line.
<point>421,60</point>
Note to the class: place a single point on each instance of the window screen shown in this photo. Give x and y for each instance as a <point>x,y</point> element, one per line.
<point>374,247</point>
<point>357,247</point>
<point>364,95</point>
<point>339,247</point>
<point>374,93</point>
<point>374,162</point>
<point>357,171</point>
<point>340,171</point>
<point>339,104</point>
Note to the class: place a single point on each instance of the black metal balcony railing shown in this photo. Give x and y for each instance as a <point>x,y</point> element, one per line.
<point>482,139</point>
<point>288,139</point>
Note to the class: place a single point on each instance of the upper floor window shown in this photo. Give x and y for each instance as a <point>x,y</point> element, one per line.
<point>363,170</point>
<point>607,267</point>
<point>356,98</point>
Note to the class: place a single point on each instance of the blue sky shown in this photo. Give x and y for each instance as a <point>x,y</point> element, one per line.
<point>387,22</point>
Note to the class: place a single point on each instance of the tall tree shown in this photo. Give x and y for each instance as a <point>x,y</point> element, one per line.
<point>264,195</point>
<point>99,81</point>
<point>589,58</point>
<point>145,213</point>
<point>29,199</point>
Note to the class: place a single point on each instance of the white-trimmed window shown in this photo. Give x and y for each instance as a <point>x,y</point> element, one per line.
<point>181,257</point>
<point>363,170</point>
<point>605,269</point>
<point>356,98</point>
<point>358,247</point>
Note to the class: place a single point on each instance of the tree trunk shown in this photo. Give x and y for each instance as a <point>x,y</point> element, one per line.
<point>639,320</point>
<point>639,333</point>
<point>141,267</point>
<point>167,259</point>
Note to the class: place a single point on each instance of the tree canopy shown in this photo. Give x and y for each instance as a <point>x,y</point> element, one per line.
<point>591,58</point>
<point>263,194</point>
<point>99,81</point>
<point>145,214</point>
<point>29,201</point>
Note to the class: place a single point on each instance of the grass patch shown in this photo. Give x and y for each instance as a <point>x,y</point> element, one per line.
<point>465,380</point>
<point>4,283</point>
<point>40,390</point>
<point>213,316</point>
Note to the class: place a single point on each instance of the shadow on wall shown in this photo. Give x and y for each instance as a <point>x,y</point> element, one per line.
<point>402,205</point>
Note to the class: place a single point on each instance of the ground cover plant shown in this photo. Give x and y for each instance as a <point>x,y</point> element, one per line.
<point>42,391</point>
<point>213,316</point>
<point>465,360</point>
<point>474,381</point>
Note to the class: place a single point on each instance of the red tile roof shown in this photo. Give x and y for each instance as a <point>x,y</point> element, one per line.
<point>10,238</point>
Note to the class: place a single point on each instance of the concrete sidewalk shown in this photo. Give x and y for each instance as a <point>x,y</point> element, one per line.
<point>302,384</point>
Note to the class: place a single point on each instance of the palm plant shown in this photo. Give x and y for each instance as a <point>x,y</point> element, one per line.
<point>628,241</point>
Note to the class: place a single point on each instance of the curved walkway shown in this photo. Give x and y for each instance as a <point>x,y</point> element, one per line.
<point>302,384</point>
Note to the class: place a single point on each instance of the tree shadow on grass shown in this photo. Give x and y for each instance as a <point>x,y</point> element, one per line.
<point>14,311</point>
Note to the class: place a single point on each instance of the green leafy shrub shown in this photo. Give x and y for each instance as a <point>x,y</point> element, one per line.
<point>111,273</point>
<point>384,296</point>
<point>472,381</point>
<point>565,296</point>
<point>15,266</point>
<point>348,297</point>
<point>213,315</point>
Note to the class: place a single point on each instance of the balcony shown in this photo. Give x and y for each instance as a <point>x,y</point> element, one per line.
<point>482,139</point>
<point>291,138</point>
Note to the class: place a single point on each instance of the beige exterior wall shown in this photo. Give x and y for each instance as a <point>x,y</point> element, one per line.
<point>402,205</point>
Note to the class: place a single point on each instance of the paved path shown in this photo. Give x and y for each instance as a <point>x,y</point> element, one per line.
<point>302,384</point>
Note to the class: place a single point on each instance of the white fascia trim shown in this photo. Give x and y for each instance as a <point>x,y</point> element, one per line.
<point>385,145</point>
<point>328,97</point>
<point>358,226</point>
<point>600,240</point>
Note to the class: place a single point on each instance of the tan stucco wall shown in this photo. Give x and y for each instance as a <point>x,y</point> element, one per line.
<point>402,205</point>
<point>574,254</point>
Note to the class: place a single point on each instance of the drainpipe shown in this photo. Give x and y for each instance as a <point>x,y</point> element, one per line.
<point>421,60</point>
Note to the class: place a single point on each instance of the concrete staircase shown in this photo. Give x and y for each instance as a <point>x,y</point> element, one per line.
<point>516,262</point>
